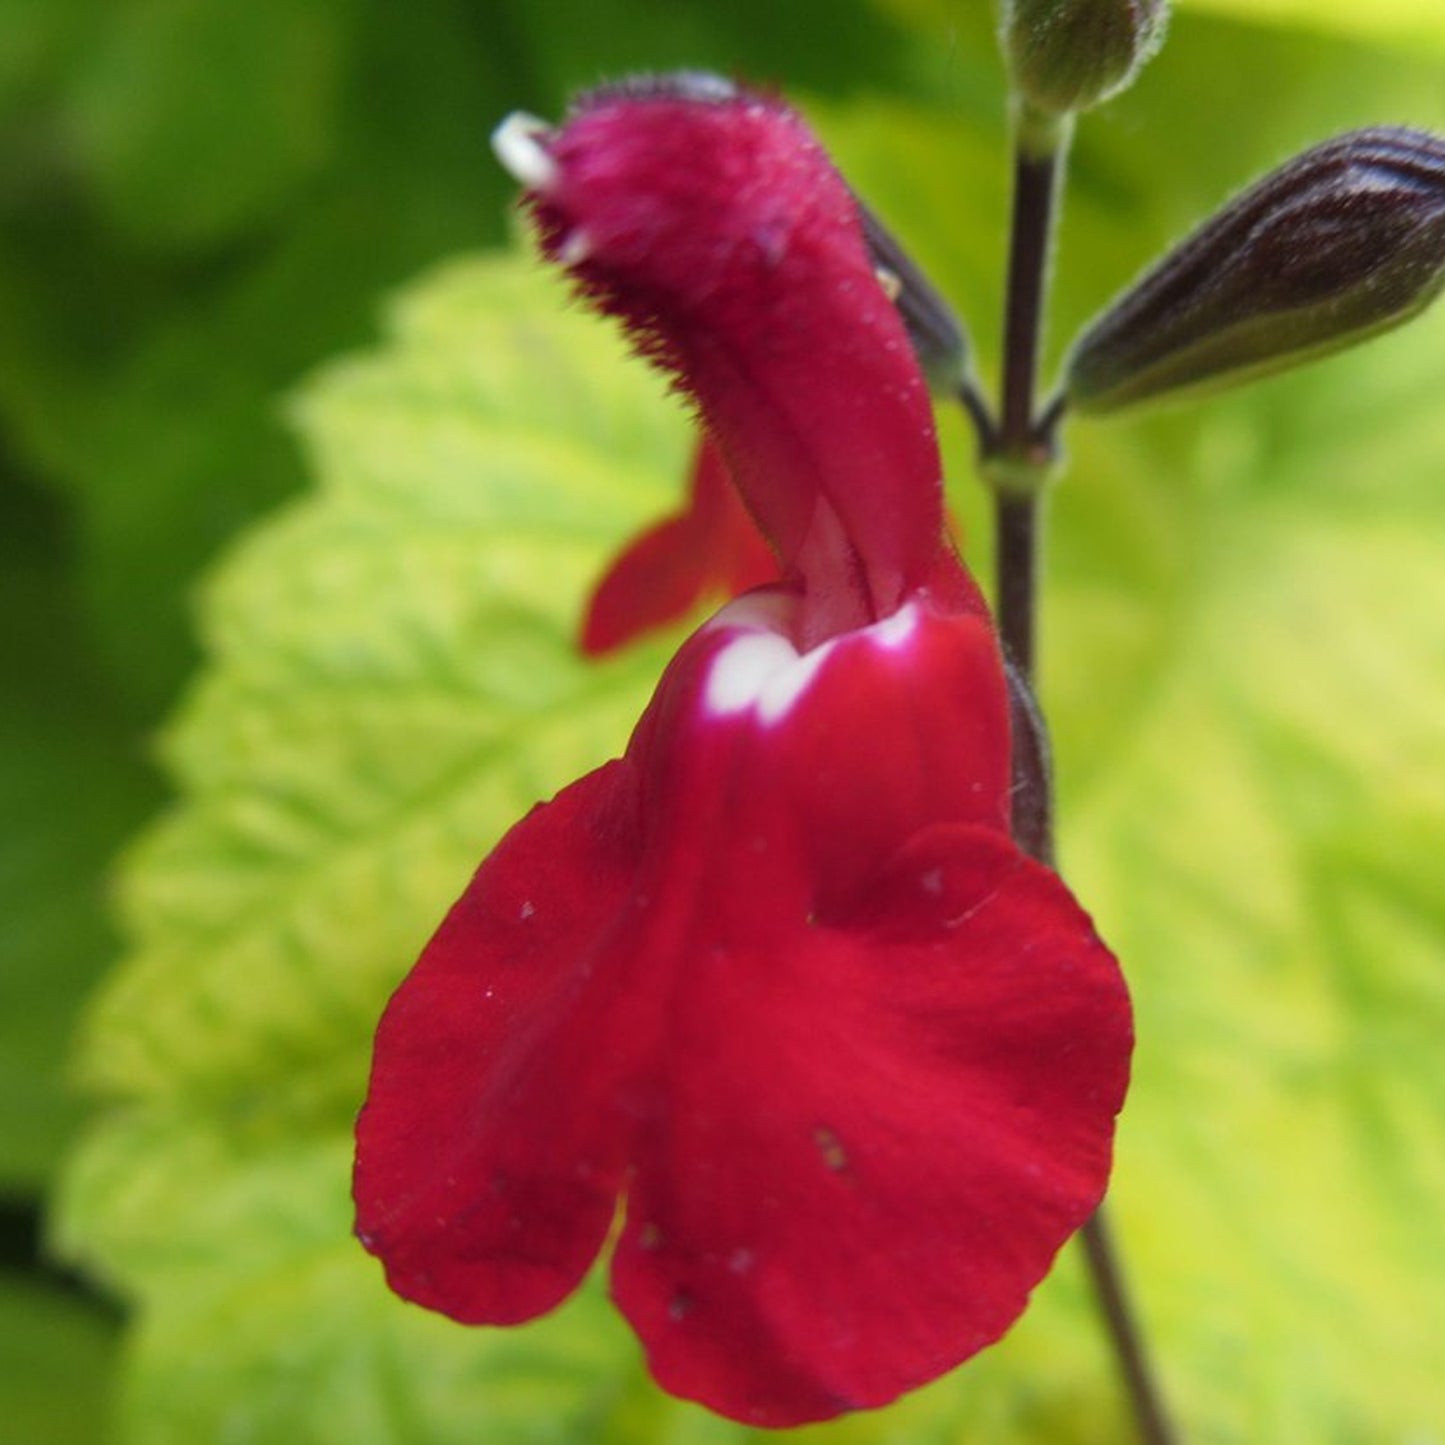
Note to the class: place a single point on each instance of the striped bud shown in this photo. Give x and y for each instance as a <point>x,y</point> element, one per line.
<point>1068,55</point>
<point>1344,241</point>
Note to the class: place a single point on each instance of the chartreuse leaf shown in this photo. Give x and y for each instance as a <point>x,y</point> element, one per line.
<point>266,1315</point>
<point>1284,727</point>
<point>1386,20</point>
<point>68,795</point>
<point>394,682</point>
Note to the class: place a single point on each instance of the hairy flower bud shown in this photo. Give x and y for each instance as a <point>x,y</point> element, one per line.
<point>1344,241</point>
<point>937,336</point>
<point>1068,55</point>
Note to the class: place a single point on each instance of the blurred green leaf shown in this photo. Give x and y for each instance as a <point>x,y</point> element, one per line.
<point>828,45</point>
<point>69,793</point>
<point>41,38</point>
<point>56,1363</point>
<point>197,120</point>
<point>143,383</point>
<point>1393,22</point>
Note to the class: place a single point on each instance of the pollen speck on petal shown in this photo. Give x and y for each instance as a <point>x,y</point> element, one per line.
<point>835,1156</point>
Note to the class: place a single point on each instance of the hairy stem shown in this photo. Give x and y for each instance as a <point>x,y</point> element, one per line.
<point>1016,462</point>
<point>1018,520</point>
<point>1155,1427</point>
<point>1036,179</point>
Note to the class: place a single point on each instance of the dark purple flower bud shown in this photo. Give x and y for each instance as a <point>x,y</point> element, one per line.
<point>1344,241</point>
<point>1068,55</point>
<point>938,338</point>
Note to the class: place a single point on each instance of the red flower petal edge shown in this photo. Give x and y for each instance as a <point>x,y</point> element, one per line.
<point>776,985</point>
<point>711,549</point>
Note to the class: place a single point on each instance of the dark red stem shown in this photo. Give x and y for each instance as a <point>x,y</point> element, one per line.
<point>1023,450</point>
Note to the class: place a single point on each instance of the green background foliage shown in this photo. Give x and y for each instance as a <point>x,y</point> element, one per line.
<point>353,609</point>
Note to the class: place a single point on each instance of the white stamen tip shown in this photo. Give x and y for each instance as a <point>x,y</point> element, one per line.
<point>517,144</point>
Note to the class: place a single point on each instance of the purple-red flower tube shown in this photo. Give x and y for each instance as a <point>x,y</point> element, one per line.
<point>773,998</point>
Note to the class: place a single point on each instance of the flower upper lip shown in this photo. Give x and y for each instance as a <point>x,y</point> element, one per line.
<point>773,322</point>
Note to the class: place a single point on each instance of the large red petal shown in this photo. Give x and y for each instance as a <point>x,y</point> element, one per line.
<point>493,1140</point>
<point>876,1137</point>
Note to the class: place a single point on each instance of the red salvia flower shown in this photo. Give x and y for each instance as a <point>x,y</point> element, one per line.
<point>774,996</point>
